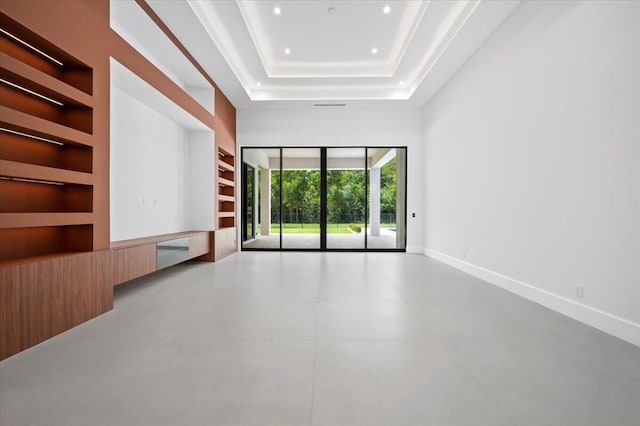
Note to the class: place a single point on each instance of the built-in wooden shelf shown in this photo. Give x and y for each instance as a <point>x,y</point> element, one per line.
<point>29,197</point>
<point>21,244</point>
<point>225,167</point>
<point>13,169</point>
<point>28,220</point>
<point>226,196</point>
<point>55,271</point>
<point>22,122</point>
<point>24,75</point>
<point>46,148</point>
<point>226,206</point>
<point>226,222</point>
<point>227,193</point>
<point>19,96</point>
<point>27,149</point>
<point>68,69</point>
<point>226,182</point>
<point>35,259</point>
<point>227,175</point>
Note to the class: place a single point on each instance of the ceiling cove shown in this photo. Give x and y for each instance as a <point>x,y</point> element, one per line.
<point>331,50</point>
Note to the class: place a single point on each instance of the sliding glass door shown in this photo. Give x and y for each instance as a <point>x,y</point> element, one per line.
<point>300,198</point>
<point>387,177</point>
<point>350,198</point>
<point>346,198</point>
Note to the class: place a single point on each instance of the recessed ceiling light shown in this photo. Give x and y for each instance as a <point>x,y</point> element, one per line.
<point>277,10</point>
<point>386,9</point>
<point>402,83</point>
<point>258,84</point>
<point>374,50</point>
<point>287,51</point>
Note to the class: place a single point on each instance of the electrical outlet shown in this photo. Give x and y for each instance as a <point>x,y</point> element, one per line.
<point>579,292</point>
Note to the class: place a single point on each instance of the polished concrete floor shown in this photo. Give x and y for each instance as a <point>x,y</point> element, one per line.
<point>323,339</point>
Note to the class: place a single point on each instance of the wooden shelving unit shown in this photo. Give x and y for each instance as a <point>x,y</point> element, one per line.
<point>226,196</point>
<point>46,148</point>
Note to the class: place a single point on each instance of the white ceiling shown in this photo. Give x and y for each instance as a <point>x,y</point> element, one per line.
<point>322,40</point>
<point>419,45</point>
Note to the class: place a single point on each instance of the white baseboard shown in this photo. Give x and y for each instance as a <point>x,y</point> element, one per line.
<point>415,249</point>
<point>605,321</point>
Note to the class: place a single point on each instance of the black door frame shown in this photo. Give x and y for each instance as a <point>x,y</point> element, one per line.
<point>323,199</point>
<point>244,203</point>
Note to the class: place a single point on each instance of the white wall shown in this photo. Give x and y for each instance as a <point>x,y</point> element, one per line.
<point>148,163</point>
<point>201,182</point>
<point>532,161</point>
<point>344,127</point>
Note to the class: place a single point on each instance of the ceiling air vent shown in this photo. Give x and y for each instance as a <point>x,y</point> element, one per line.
<point>329,105</point>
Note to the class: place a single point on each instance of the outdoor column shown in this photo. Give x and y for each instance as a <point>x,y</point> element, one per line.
<point>265,201</point>
<point>374,200</point>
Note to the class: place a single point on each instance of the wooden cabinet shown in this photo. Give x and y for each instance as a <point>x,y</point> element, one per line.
<point>133,262</point>
<point>199,245</point>
<point>43,298</point>
<point>138,257</point>
<point>225,243</point>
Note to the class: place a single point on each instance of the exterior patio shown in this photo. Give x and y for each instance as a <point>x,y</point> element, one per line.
<point>386,240</point>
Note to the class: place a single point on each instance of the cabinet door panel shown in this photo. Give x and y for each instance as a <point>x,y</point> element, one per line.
<point>133,262</point>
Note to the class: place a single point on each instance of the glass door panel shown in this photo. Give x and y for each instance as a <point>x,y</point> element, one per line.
<point>387,198</point>
<point>261,185</point>
<point>300,198</point>
<point>248,230</point>
<point>346,198</point>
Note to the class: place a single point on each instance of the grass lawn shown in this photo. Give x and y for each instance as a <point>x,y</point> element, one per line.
<point>311,228</point>
<point>314,228</point>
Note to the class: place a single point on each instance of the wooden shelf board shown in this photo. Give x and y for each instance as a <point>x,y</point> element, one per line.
<point>226,214</point>
<point>227,198</point>
<point>153,239</point>
<point>41,258</point>
<point>30,220</point>
<point>25,123</point>
<point>226,182</point>
<point>225,166</point>
<point>25,75</point>
<point>48,174</point>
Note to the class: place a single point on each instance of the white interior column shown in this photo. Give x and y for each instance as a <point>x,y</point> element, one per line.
<point>265,201</point>
<point>374,200</point>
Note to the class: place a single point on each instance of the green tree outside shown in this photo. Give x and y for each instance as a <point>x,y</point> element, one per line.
<point>346,194</point>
